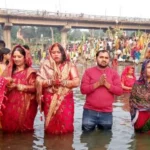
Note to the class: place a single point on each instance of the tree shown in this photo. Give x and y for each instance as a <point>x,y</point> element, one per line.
<point>14,32</point>
<point>74,35</point>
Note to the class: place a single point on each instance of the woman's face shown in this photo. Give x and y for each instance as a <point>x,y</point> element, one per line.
<point>56,54</point>
<point>18,58</point>
<point>148,70</point>
<point>131,71</point>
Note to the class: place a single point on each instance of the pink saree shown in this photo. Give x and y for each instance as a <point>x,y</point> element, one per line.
<point>63,120</point>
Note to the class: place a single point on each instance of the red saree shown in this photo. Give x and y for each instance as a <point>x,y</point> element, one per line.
<point>3,83</point>
<point>21,107</point>
<point>126,80</point>
<point>57,101</point>
<point>142,119</point>
<point>58,106</point>
<point>63,120</point>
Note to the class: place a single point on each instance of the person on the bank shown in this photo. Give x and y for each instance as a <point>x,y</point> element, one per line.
<point>4,59</point>
<point>128,78</point>
<point>99,83</point>
<point>140,100</point>
<point>21,105</point>
<point>56,79</point>
<point>115,62</point>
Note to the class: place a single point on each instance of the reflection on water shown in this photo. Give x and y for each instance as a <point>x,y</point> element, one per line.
<point>59,142</point>
<point>122,136</point>
<point>96,140</point>
<point>141,142</point>
<point>16,141</point>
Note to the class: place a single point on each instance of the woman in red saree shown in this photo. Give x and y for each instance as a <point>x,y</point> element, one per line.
<point>56,78</point>
<point>128,78</point>
<point>21,106</point>
<point>140,100</point>
<point>4,60</point>
<point>115,62</point>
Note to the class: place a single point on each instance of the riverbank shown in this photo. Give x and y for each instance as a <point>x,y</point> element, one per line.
<point>91,62</point>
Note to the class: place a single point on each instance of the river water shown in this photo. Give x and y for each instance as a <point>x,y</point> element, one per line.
<point>122,136</point>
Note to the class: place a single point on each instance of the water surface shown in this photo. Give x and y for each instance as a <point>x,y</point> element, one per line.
<point>122,136</point>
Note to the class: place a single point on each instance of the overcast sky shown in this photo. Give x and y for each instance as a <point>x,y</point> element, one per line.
<point>127,8</point>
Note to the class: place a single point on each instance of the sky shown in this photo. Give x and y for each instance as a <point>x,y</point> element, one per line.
<point>123,8</point>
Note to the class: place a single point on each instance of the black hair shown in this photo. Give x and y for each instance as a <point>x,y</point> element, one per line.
<point>4,51</point>
<point>102,51</point>
<point>22,51</point>
<point>2,44</point>
<point>62,51</point>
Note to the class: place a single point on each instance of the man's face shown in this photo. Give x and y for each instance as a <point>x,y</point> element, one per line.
<point>103,59</point>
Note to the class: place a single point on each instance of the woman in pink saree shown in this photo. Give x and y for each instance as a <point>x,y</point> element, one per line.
<point>56,78</point>
<point>21,105</point>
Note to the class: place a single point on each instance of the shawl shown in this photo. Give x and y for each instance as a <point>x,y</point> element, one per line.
<point>140,94</point>
<point>143,78</point>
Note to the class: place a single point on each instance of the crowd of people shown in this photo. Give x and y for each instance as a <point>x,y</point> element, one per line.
<point>121,47</point>
<point>50,88</point>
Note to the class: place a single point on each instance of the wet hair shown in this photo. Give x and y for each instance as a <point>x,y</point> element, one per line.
<point>62,51</point>
<point>4,51</point>
<point>26,47</point>
<point>102,51</point>
<point>2,44</point>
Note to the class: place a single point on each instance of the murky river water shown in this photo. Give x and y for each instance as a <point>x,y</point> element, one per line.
<point>122,136</point>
